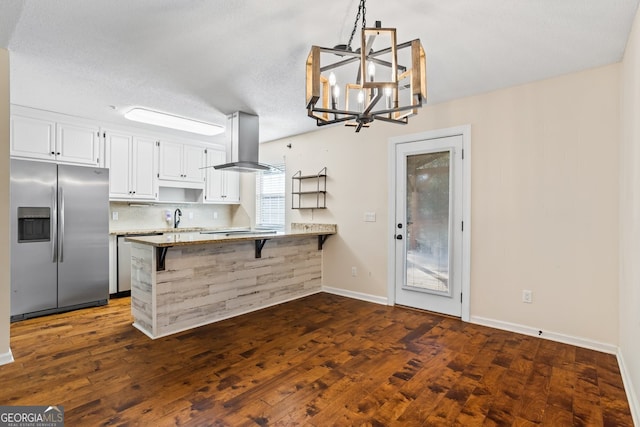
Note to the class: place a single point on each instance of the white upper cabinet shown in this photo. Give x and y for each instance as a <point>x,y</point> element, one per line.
<point>143,169</point>
<point>221,186</point>
<point>131,161</point>
<point>42,135</point>
<point>171,161</point>
<point>118,160</point>
<point>181,162</point>
<point>33,138</point>
<point>77,143</point>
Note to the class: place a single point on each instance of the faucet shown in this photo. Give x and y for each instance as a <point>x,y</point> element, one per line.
<point>176,217</point>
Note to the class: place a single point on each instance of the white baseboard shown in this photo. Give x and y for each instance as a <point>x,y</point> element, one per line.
<point>355,295</point>
<point>6,358</point>
<point>634,402</point>
<point>553,336</point>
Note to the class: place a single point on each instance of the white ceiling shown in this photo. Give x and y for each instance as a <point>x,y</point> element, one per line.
<point>205,59</point>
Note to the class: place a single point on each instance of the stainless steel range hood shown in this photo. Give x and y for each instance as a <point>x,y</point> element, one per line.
<point>242,144</point>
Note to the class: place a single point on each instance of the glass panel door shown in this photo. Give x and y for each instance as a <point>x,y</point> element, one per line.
<point>428,234</point>
<point>428,201</point>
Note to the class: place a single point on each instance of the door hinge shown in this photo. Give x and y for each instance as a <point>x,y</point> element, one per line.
<point>104,134</point>
<point>157,143</point>
<point>462,226</point>
<point>463,154</point>
<point>460,296</point>
<point>158,175</point>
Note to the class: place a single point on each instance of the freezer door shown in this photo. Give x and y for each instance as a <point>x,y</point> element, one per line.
<point>83,235</point>
<point>33,262</point>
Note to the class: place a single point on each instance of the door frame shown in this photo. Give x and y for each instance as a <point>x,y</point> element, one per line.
<point>465,132</point>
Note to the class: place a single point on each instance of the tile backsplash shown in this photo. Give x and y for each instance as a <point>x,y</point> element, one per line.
<point>132,216</point>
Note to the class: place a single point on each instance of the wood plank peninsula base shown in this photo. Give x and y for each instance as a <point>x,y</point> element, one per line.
<point>180,281</point>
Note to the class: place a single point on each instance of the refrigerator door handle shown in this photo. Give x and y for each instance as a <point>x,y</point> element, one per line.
<point>61,234</point>
<point>54,225</point>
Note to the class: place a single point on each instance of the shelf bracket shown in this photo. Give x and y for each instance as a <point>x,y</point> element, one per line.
<point>259,246</point>
<point>161,254</point>
<point>321,239</point>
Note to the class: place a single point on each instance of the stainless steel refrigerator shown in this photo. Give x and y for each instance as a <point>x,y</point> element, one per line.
<point>59,238</point>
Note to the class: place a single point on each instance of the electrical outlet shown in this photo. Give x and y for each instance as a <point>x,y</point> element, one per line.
<point>527,296</point>
<point>354,271</point>
<point>190,215</point>
<point>114,216</point>
<point>215,214</point>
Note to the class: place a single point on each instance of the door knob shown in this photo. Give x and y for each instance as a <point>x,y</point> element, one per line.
<point>399,225</point>
<point>399,237</point>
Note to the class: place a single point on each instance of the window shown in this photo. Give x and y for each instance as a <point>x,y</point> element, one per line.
<point>270,195</point>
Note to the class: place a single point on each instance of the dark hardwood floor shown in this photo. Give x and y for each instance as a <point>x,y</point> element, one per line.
<point>319,361</point>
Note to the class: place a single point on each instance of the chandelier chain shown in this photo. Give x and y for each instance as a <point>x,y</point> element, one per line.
<point>362,10</point>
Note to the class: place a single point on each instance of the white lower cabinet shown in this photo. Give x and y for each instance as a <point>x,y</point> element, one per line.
<point>132,163</point>
<point>221,186</point>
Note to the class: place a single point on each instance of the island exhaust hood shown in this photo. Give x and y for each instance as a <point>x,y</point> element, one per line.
<point>242,144</point>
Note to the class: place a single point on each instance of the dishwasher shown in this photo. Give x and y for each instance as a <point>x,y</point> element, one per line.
<point>124,264</point>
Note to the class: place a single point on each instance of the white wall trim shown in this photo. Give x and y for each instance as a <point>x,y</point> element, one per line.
<point>549,335</point>
<point>634,401</point>
<point>6,358</point>
<point>465,131</point>
<point>356,295</point>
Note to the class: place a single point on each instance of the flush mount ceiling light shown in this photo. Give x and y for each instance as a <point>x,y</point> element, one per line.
<point>174,122</point>
<point>382,89</point>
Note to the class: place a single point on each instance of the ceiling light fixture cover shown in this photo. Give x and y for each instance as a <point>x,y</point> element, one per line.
<point>383,88</point>
<point>174,122</point>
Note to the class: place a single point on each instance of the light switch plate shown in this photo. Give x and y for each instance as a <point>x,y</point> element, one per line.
<point>369,217</point>
<point>114,216</point>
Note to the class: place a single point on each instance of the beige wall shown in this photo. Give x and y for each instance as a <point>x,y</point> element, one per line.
<point>544,200</point>
<point>630,217</point>
<point>5,264</point>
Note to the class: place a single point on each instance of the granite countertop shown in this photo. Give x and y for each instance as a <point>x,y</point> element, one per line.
<point>169,230</point>
<point>199,238</point>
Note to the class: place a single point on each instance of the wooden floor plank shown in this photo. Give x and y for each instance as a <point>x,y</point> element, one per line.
<point>318,361</point>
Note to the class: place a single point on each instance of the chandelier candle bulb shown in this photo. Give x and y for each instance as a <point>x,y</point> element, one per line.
<point>387,93</point>
<point>332,79</point>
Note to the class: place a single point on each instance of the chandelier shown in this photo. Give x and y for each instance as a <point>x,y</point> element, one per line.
<point>381,88</point>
